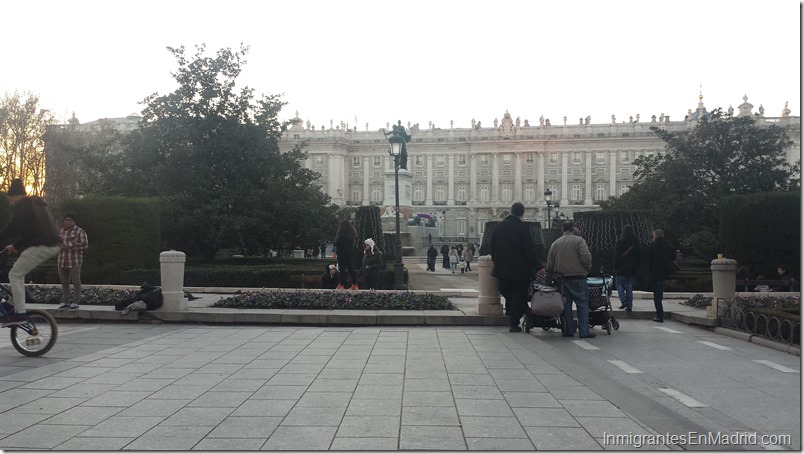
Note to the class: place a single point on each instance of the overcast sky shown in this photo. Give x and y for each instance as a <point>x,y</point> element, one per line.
<point>417,61</point>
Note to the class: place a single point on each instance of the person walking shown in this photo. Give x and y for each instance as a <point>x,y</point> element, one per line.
<point>467,257</point>
<point>453,258</point>
<point>71,256</point>
<point>515,262</point>
<point>569,257</point>
<point>432,254</point>
<point>445,255</point>
<point>36,238</point>
<point>660,254</point>
<point>372,264</point>
<point>627,257</point>
<point>345,247</point>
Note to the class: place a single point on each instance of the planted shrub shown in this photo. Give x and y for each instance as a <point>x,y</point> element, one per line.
<point>336,300</point>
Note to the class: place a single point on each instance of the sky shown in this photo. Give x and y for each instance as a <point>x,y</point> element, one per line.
<point>425,62</point>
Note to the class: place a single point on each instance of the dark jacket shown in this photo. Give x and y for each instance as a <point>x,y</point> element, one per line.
<point>627,256</point>
<point>31,225</point>
<point>660,253</point>
<point>328,281</point>
<point>432,252</point>
<point>345,247</point>
<point>512,250</point>
<point>372,264</point>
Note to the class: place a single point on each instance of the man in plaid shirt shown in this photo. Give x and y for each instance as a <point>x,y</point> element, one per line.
<point>71,255</point>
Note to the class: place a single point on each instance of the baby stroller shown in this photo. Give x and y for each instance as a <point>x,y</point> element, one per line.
<point>600,312</point>
<point>546,307</point>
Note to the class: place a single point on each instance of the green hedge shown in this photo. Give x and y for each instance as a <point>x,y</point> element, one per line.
<point>762,231</point>
<point>123,233</point>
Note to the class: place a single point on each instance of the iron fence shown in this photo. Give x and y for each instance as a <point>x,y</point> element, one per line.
<point>758,322</point>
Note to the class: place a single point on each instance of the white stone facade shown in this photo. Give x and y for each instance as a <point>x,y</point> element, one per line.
<point>468,176</point>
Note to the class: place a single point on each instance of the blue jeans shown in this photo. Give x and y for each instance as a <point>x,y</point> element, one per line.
<point>576,290</point>
<point>625,291</point>
<point>658,294</point>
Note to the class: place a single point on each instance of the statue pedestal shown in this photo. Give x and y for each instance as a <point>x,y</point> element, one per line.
<point>405,189</point>
<point>724,280</point>
<point>488,302</point>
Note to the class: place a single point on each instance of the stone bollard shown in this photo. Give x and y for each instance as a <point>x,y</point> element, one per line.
<point>488,303</point>
<point>724,280</point>
<point>172,269</point>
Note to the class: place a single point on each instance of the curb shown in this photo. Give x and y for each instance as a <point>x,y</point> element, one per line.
<point>759,340</point>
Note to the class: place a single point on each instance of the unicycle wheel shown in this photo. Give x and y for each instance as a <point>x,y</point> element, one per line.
<point>36,337</point>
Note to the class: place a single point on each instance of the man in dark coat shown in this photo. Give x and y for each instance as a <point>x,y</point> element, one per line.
<point>515,262</point>
<point>432,253</point>
<point>445,254</point>
<point>660,254</point>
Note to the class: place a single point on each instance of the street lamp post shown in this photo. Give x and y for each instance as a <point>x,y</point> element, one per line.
<point>395,150</point>
<point>548,198</point>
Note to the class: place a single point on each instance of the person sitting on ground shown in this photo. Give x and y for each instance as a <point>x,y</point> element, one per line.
<point>330,279</point>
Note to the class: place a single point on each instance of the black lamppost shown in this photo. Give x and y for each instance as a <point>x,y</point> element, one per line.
<point>395,150</point>
<point>548,198</point>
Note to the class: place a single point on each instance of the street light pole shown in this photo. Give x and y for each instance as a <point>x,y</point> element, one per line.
<point>396,142</point>
<point>548,198</point>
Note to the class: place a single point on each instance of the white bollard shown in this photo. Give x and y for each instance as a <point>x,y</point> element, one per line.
<point>488,303</point>
<point>172,270</point>
<point>724,280</point>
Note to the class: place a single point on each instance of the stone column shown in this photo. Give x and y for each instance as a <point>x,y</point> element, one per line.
<point>429,188</point>
<point>366,188</point>
<point>172,270</point>
<point>564,176</point>
<point>451,180</point>
<point>724,280</point>
<point>473,178</point>
<point>517,176</point>
<point>587,199</point>
<point>612,173</point>
<point>488,302</point>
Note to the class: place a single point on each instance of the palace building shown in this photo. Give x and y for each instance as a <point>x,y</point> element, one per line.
<point>465,177</point>
<point>462,177</point>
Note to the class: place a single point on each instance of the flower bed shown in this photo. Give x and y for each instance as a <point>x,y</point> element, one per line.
<point>337,300</point>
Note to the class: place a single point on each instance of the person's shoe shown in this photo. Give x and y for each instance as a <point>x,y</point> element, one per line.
<point>622,306</point>
<point>515,329</point>
<point>628,310</point>
<point>588,336</point>
<point>353,287</point>
<point>658,320</point>
<point>72,307</point>
<point>64,306</point>
<point>15,320</point>
<point>567,335</point>
<point>339,287</point>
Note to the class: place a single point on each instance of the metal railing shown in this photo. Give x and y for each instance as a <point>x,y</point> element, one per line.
<point>758,323</point>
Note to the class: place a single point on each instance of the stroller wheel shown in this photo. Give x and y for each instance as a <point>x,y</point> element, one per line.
<point>615,324</point>
<point>608,326</point>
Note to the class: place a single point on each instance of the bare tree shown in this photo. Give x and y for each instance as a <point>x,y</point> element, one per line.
<point>22,146</point>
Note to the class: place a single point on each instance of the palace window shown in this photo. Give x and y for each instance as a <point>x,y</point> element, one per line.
<point>530,193</point>
<point>319,160</point>
<point>440,193</point>
<point>506,193</point>
<point>461,159</point>
<point>624,185</point>
<point>624,158</point>
<point>484,159</point>
<point>553,187</point>
<point>529,158</point>
<point>419,161</point>
<point>357,193</point>
<point>576,191</point>
<point>507,159</point>
<point>600,157</point>
<point>377,161</point>
<point>356,161</point>
<point>553,158</point>
<point>376,193</point>
<point>577,156</point>
<point>484,192</point>
<point>460,224</point>
<point>600,191</point>
<point>461,196</point>
<point>418,193</point>
<point>440,160</point>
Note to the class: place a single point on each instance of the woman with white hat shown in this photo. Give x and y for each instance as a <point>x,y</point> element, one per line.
<point>372,264</point>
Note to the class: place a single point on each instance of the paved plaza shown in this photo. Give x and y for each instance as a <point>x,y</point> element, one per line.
<point>237,386</point>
